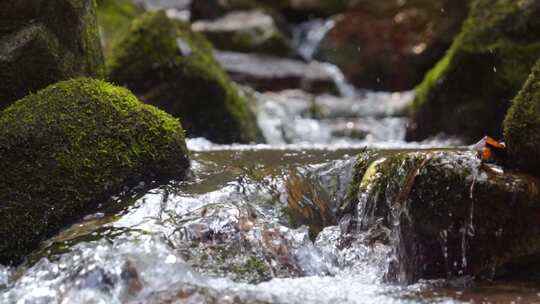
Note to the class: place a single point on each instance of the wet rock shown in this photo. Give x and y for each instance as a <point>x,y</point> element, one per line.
<point>212,9</point>
<point>467,93</point>
<point>302,10</point>
<point>70,147</point>
<point>445,213</point>
<point>390,45</point>
<point>43,42</point>
<point>114,17</point>
<point>268,73</point>
<point>522,125</point>
<point>293,10</point>
<point>250,31</point>
<point>167,65</point>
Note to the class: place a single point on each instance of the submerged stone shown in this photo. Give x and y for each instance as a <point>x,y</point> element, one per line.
<point>522,125</point>
<point>68,148</point>
<point>445,214</point>
<point>467,94</point>
<point>43,42</point>
<point>169,66</point>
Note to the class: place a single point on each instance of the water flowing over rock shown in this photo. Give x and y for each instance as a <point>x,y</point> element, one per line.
<point>43,42</point>
<point>389,45</point>
<point>446,214</point>
<point>467,93</point>
<point>268,73</point>
<point>295,116</point>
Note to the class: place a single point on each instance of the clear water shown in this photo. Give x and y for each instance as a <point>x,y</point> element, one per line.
<point>224,236</point>
<point>193,242</point>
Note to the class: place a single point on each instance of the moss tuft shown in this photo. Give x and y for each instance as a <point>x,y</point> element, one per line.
<point>169,66</point>
<point>522,125</point>
<point>70,147</point>
<point>467,94</point>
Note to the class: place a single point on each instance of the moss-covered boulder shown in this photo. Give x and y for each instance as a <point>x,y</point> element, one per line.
<point>390,45</point>
<point>114,17</point>
<point>68,148</point>
<point>246,31</point>
<point>43,42</point>
<point>522,125</point>
<point>169,66</point>
<point>469,91</point>
<point>446,214</point>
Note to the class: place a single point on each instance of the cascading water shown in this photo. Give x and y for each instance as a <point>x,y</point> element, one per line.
<point>226,236</point>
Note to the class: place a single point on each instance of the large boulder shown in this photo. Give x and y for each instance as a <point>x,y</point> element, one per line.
<point>68,148</point>
<point>114,17</point>
<point>169,66</point>
<point>390,45</point>
<point>245,31</point>
<point>43,42</point>
<point>445,213</point>
<point>522,125</point>
<point>467,94</point>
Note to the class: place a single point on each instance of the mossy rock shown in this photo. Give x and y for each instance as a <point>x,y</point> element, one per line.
<point>68,148</point>
<point>169,66</point>
<point>445,214</point>
<point>467,94</point>
<point>114,17</point>
<point>43,42</point>
<point>522,125</point>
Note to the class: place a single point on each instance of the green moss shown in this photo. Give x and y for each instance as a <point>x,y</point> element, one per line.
<point>362,163</point>
<point>253,271</point>
<point>48,42</point>
<point>70,147</point>
<point>467,93</point>
<point>522,125</point>
<point>169,66</point>
<point>444,214</point>
<point>114,17</point>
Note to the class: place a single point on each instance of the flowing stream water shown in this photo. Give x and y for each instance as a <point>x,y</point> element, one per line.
<point>224,236</point>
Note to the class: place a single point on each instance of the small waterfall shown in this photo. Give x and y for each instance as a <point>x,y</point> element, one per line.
<point>308,35</point>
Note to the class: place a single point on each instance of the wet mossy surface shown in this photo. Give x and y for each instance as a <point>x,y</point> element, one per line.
<point>114,17</point>
<point>522,125</point>
<point>169,66</point>
<point>43,42</point>
<point>469,91</point>
<point>446,214</point>
<point>68,148</point>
